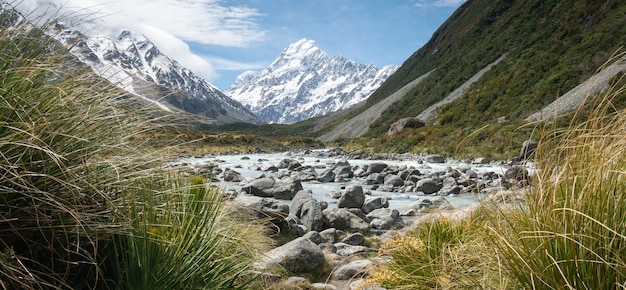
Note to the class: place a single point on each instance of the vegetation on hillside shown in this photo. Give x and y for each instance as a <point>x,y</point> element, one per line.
<point>568,232</point>
<point>85,201</point>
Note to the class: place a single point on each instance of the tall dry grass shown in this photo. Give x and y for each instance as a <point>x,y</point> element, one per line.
<point>80,193</point>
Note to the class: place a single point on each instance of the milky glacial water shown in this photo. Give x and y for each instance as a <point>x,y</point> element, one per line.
<point>323,191</point>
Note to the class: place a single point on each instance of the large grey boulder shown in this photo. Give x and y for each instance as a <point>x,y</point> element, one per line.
<point>376,167</point>
<point>297,255</point>
<point>263,187</point>
<point>262,207</point>
<point>344,249</point>
<point>343,219</point>
<point>429,185</point>
<point>374,178</point>
<point>351,269</point>
<point>286,188</point>
<point>393,180</point>
<point>327,176</point>
<point>373,203</point>
<point>385,219</point>
<point>230,175</point>
<point>352,197</point>
<point>308,210</point>
<point>435,158</point>
<point>401,124</point>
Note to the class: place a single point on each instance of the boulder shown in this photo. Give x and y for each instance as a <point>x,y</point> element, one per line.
<point>308,210</point>
<point>230,175</point>
<point>351,269</point>
<point>429,185</point>
<point>263,207</point>
<point>352,197</point>
<point>344,249</point>
<point>374,178</point>
<point>263,187</point>
<point>329,235</point>
<point>373,203</point>
<point>297,255</point>
<point>385,219</point>
<point>286,188</point>
<point>393,180</point>
<point>327,176</point>
<point>354,239</point>
<point>343,219</point>
<point>376,167</point>
<point>409,122</point>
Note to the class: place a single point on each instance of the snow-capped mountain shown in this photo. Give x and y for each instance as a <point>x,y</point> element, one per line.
<point>136,65</point>
<point>304,82</point>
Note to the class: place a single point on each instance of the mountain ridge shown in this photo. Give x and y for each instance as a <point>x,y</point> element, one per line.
<point>304,82</point>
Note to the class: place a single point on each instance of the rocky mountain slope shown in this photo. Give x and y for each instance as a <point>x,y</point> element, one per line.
<point>135,64</point>
<point>304,82</point>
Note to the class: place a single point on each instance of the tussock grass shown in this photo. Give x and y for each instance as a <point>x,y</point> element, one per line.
<point>84,202</point>
<point>569,233</point>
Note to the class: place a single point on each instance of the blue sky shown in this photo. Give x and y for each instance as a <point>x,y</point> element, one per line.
<point>219,39</point>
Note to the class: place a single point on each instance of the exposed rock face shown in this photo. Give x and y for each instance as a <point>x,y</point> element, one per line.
<point>307,210</point>
<point>297,255</point>
<point>409,122</point>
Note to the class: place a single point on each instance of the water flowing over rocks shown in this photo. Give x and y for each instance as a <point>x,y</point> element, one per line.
<point>332,200</point>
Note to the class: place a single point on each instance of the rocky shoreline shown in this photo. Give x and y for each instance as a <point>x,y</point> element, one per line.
<point>337,232</point>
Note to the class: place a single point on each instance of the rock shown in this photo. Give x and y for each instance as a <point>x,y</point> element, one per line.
<point>327,176</point>
<point>517,173</point>
<point>328,235</point>
<point>308,210</point>
<point>449,189</point>
<point>385,219</point>
<point>286,188</point>
<point>314,237</point>
<point>351,269</point>
<point>376,167</point>
<point>435,158</point>
<point>293,280</point>
<point>393,180</point>
<point>425,205</point>
<point>297,255</point>
<point>428,185</point>
<point>528,148</point>
<point>352,197</point>
<point>288,163</point>
<point>344,249</point>
<point>263,207</point>
<point>374,178</point>
<point>354,239</point>
<point>343,219</point>
<point>262,187</point>
<point>343,171</point>
<point>357,285</point>
<point>373,203</point>
<point>409,122</point>
<point>231,175</point>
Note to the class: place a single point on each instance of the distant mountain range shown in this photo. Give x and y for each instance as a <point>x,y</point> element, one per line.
<point>136,65</point>
<point>304,82</point>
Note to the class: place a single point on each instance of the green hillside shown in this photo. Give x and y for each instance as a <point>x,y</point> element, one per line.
<point>551,47</point>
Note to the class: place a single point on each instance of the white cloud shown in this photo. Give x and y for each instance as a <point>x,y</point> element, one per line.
<point>171,24</point>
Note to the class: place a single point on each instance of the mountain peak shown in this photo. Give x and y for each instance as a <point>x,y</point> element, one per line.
<point>303,82</point>
<point>302,46</point>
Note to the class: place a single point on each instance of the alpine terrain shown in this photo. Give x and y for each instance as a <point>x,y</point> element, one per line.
<point>304,82</point>
<point>135,64</point>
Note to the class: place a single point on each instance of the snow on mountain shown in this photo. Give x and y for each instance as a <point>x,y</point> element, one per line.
<point>304,82</point>
<point>136,65</point>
